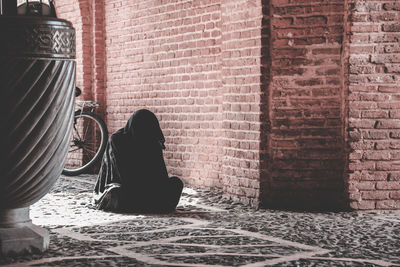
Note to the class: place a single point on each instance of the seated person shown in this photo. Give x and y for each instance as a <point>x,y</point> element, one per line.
<point>133,176</point>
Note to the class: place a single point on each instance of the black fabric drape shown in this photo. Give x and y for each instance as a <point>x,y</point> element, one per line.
<point>133,176</point>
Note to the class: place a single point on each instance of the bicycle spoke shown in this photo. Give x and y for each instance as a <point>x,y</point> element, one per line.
<point>87,157</point>
<point>84,153</point>
<point>87,129</point>
<point>89,150</point>
<point>76,132</point>
<point>91,143</point>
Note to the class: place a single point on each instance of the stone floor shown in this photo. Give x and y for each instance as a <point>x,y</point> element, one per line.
<point>206,230</point>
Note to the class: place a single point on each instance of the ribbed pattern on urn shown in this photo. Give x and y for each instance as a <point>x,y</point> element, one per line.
<point>37,82</point>
<point>38,121</point>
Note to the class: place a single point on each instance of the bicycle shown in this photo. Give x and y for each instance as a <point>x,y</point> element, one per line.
<point>89,138</point>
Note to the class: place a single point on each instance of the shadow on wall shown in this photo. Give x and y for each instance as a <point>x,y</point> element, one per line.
<point>302,146</point>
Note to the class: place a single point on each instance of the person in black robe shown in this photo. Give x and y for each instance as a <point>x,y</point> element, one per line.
<point>133,176</point>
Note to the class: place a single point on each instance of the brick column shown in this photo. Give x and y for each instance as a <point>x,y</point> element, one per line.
<point>305,106</point>
<point>99,75</point>
<point>242,87</point>
<point>77,12</point>
<point>88,18</point>
<point>166,56</point>
<point>373,172</point>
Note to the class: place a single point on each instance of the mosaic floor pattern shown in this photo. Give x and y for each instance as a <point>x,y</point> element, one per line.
<point>200,233</point>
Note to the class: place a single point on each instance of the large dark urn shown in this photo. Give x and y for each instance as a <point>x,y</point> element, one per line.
<point>37,80</point>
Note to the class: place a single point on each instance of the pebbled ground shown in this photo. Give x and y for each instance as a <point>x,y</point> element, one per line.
<point>206,230</point>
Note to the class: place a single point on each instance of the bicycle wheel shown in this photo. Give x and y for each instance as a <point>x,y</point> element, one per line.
<point>88,142</point>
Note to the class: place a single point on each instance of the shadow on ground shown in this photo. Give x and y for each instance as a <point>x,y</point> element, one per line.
<point>206,230</point>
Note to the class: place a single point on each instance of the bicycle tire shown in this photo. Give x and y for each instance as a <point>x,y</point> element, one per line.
<point>86,118</point>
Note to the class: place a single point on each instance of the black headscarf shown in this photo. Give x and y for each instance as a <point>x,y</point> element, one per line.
<point>143,128</point>
<point>133,159</point>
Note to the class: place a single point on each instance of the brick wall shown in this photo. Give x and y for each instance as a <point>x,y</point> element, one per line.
<point>373,103</point>
<point>71,11</point>
<point>87,17</point>
<point>166,57</point>
<point>99,62</point>
<point>203,85</point>
<point>306,138</point>
<point>291,103</point>
<point>241,76</point>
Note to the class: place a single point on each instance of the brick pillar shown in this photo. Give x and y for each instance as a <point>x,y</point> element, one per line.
<point>88,18</point>
<point>87,49</point>
<point>77,12</point>
<point>242,86</point>
<point>99,75</point>
<point>305,106</point>
<point>373,171</point>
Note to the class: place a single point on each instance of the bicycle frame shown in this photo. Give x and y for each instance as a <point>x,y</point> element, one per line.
<point>82,105</point>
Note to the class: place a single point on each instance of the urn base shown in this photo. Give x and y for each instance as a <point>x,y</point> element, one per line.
<point>18,235</point>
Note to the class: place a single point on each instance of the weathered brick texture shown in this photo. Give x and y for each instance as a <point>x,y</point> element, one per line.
<point>305,99</point>
<point>204,85</point>
<point>89,22</point>
<point>373,101</point>
<point>166,56</point>
<point>293,104</point>
<point>241,76</point>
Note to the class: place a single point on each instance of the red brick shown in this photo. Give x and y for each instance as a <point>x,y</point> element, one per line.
<point>362,185</point>
<point>385,38</point>
<point>374,114</point>
<point>389,89</point>
<point>279,22</point>
<point>365,28</point>
<point>393,185</point>
<point>393,176</point>
<point>361,49</point>
<point>376,155</point>
<point>395,195</point>
<point>362,123</point>
<point>373,176</point>
<point>394,27</point>
<point>355,155</point>
<point>378,59</point>
<point>365,6</point>
<point>388,124</point>
<point>363,205</point>
<point>359,166</point>
<point>391,48</point>
<point>388,204</point>
<point>356,17</point>
<point>326,51</point>
<point>312,20</point>
<point>387,166</point>
<point>392,68</point>
<point>375,195</point>
<point>392,6</point>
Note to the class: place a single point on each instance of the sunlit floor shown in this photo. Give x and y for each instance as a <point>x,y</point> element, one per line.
<point>206,230</point>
